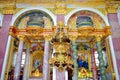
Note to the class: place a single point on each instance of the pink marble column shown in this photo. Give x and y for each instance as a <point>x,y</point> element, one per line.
<point>18,61</point>
<point>45,61</point>
<point>60,75</point>
<point>115,33</point>
<point>60,17</point>
<point>94,68</point>
<point>4,37</point>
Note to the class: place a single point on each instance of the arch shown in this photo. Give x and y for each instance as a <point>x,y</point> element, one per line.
<point>1,19</point>
<point>88,9</point>
<point>34,8</point>
<point>109,37</point>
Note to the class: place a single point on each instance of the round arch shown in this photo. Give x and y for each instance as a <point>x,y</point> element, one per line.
<point>34,8</point>
<point>88,9</point>
<point>109,37</point>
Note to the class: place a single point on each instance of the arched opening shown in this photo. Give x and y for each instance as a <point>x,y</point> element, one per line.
<point>31,18</point>
<point>85,17</point>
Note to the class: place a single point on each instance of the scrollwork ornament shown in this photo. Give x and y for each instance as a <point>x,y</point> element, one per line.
<point>98,38</point>
<point>73,37</point>
<point>21,37</point>
<point>47,37</point>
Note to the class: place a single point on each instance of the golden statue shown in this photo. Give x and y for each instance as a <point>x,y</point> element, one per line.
<point>37,73</point>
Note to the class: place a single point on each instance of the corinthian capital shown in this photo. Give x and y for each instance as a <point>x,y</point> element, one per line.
<point>47,37</point>
<point>21,37</point>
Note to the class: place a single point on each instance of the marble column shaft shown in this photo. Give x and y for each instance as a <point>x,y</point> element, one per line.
<point>4,38</point>
<point>26,66</point>
<point>94,68</point>
<point>46,61</point>
<point>18,61</point>
<point>60,75</point>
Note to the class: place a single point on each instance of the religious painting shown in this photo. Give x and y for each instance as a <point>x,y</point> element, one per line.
<point>85,17</point>
<point>83,56</point>
<point>34,19</point>
<point>82,60</point>
<point>36,62</point>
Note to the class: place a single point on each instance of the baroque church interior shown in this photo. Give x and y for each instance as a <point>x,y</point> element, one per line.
<point>59,39</point>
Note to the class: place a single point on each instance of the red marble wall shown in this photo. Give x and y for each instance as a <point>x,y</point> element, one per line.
<point>4,37</point>
<point>115,32</point>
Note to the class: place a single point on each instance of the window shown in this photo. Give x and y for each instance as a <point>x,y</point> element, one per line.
<point>23,59</point>
<point>96,59</point>
<point>104,58</point>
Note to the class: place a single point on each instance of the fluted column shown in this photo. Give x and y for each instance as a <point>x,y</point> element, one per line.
<point>100,58</point>
<point>94,68</point>
<point>19,58</point>
<point>26,66</point>
<point>46,57</point>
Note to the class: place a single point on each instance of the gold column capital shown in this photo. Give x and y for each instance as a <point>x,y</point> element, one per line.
<point>112,6</point>
<point>98,38</point>
<point>47,37</point>
<point>28,45</point>
<point>60,7</point>
<point>9,9</point>
<point>73,37</point>
<point>21,37</point>
<point>91,44</point>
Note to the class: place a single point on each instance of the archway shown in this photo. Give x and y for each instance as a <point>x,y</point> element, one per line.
<point>36,20</point>
<point>106,23</point>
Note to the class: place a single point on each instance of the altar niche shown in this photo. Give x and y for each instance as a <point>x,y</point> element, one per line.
<point>36,63</point>
<point>83,60</point>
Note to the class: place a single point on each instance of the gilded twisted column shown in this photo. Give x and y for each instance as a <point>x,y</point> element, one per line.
<point>100,58</point>
<point>19,58</point>
<point>74,55</point>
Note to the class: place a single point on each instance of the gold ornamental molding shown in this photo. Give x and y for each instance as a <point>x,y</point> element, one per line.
<point>112,6</point>
<point>60,7</point>
<point>8,9</point>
